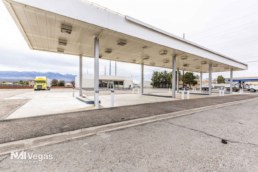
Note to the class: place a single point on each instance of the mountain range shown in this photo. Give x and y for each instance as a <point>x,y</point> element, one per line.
<point>12,76</point>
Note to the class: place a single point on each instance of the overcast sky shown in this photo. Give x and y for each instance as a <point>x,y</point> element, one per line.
<point>226,26</point>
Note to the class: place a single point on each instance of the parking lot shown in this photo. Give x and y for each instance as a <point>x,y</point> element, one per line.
<point>20,103</point>
<point>189,143</point>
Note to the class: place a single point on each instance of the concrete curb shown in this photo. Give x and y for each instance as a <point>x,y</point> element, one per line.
<point>20,145</point>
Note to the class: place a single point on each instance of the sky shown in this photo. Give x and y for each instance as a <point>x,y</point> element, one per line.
<point>226,26</point>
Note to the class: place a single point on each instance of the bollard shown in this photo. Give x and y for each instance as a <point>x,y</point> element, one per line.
<point>112,97</point>
<point>182,94</point>
<point>188,94</point>
<point>223,92</point>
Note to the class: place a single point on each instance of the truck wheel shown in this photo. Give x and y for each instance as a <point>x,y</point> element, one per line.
<point>252,90</point>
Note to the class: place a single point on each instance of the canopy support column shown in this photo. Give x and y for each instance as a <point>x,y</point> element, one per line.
<point>231,81</point>
<point>80,76</point>
<point>210,79</point>
<point>142,79</point>
<point>174,77</point>
<point>200,81</point>
<point>177,81</point>
<point>96,72</point>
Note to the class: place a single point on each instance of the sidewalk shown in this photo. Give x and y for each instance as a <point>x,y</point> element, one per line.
<point>19,129</point>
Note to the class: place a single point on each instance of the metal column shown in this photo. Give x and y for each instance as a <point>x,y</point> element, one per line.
<point>96,72</point>
<point>142,79</point>
<point>80,76</point>
<point>177,80</point>
<point>109,67</point>
<point>231,81</point>
<point>210,78</point>
<point>174,77</point>
<point>115,69</point>
<point>201,81</point>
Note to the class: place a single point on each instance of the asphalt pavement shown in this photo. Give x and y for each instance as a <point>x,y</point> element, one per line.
<point>190,143</point>
<point>25,128</point>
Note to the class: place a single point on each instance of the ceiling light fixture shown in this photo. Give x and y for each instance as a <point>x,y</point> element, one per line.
<point>61,50</point>
<point>204,62</point>
<point>163,52</point>
<point>184,58</point>
<point>108,50</point>
<point>166,60</point>
<point>146,57</point>
<point>62,42</point>
<point>66,28</point>
<point>122,42</point>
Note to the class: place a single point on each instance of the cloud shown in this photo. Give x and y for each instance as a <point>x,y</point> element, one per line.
<point>229,27</point>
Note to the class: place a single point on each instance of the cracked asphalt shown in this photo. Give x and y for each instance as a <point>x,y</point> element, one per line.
<point>25,128</point>
<point>189,143</point>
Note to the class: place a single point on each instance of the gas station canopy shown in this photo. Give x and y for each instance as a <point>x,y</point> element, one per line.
<point>69,27</point>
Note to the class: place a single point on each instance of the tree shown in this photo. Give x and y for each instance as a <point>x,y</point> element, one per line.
<point>54,82</point>
<point>161,79</point>
<point>189,79</point>
<point>61,83</point>
<point>21,82</point>
<point>220,79</point>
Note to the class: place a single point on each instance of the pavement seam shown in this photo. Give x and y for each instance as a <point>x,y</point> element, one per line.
<point>14,110</point>
<point>20,145</point>
<point>211,135</point>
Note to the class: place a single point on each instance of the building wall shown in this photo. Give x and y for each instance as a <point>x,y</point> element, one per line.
<point>88,81</point>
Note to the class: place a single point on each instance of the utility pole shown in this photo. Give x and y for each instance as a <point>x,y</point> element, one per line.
<point>183,35</point>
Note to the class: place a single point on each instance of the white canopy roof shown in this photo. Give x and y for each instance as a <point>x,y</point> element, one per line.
<point>69,26</point>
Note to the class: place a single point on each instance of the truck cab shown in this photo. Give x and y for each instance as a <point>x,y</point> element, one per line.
<point>41,83</point>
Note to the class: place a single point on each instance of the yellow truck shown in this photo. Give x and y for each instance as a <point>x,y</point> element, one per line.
<point>42,83</point>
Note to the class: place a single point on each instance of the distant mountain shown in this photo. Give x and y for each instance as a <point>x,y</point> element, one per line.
<point>17,76</point>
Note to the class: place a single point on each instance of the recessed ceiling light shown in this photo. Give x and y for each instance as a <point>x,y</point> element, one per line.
<point>66,28</point>
<point>62,42</point>
<point>215,65</point>
<point>184,58</point>
<point>61,50</point>
<point>122,42</point>
<point>163,52</point>
<point>204,62</point>
<point>186,65</point>
<point>108,50</point>
<point>146,57</point>
<point>198,67</point>
<point>145,46</point>
<point>166,60</point>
